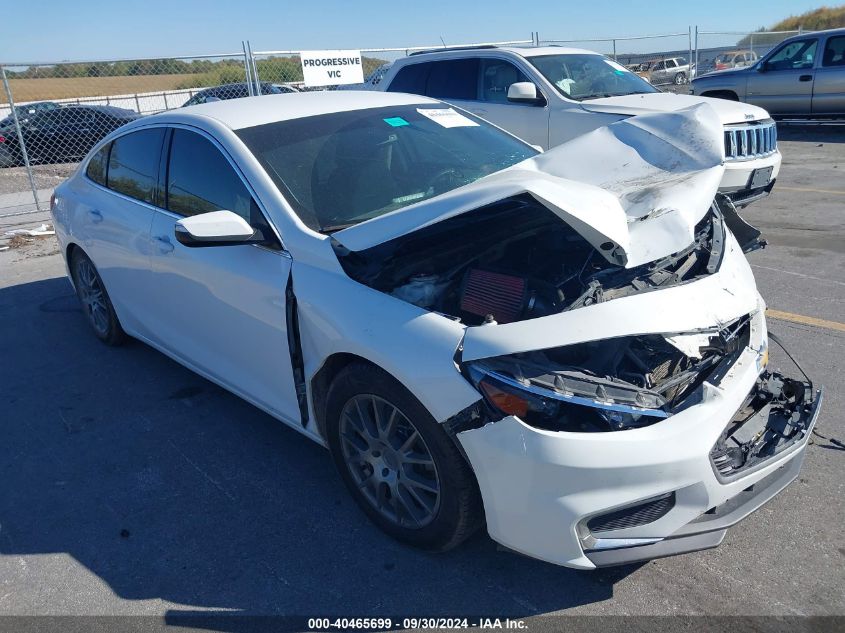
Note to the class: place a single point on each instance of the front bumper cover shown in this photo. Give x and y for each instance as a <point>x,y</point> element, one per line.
<point>710,528</point>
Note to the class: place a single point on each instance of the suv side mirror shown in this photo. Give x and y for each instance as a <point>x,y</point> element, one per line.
<point>524,92</point>
<point>762,67</point>
<point>216,228</point>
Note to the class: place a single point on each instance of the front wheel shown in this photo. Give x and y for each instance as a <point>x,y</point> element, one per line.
<point>680,78</point>
<point>398,463</point>
<point>95,301</point>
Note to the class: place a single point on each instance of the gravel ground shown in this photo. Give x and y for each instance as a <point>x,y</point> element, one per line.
<point>131,485</point>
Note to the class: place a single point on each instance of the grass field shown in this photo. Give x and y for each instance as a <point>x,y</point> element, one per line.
<point>61,88</point>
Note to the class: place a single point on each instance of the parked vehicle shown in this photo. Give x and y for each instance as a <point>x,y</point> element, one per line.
<point>803,77</point>
<point>235,91</point>
<point>568,347</point>
<point>26,110</point>
<point>669,70</point>
<point>549,95</point>
<point>735,59</point>
<point>64,134</point>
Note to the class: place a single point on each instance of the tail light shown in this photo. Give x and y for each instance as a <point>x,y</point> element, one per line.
<point>2,139</point>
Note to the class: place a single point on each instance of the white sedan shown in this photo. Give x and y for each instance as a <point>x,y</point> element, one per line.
<point>568,347</point>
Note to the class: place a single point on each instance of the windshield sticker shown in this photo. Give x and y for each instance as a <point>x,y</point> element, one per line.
<point>447,117</point>
<point>619,68</point>
<point>395,121</point>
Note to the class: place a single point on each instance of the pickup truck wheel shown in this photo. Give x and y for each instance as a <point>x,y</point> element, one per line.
<point>95,301</point>
<point>401,468</point>
<point>680,78</point>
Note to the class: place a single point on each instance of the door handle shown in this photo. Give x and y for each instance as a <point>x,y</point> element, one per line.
<point>96,216</point>
<point>164,244</point>
<point>805,78</point>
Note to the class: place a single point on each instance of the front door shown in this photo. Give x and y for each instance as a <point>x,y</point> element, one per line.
<point>221,309</point>
<point>783,83</point>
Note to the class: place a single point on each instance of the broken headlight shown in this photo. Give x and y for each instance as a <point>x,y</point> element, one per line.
<point>556,410</point>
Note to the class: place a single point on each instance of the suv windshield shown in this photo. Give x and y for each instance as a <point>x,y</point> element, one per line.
<point>340,169</point>
<point>582,77</point>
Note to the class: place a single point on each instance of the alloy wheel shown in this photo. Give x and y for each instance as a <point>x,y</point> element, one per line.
<point>389,461</point>
<point>92,296</point>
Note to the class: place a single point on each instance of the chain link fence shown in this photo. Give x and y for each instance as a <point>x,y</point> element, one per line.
<point>52,114</point>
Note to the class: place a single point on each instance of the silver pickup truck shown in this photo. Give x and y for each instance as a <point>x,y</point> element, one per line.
<point>803,77</point>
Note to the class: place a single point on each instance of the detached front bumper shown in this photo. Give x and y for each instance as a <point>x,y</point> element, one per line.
<point>543,490</point>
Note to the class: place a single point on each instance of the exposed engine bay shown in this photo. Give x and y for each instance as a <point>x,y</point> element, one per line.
<point>774,416</point>
<point>515,260</point>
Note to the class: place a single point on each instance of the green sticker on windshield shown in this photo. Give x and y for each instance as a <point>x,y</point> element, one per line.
<point>396,121</point>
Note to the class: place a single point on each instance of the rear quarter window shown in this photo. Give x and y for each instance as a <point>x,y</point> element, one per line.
<point>98,164</point>
<point>411,79</point>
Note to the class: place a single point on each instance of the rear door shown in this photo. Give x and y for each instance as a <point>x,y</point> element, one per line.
<point>829,85</point>
<point>783,84</point>
<point>221,310</point>
<point>113,218</point>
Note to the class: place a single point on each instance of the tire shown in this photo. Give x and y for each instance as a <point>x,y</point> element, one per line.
<point>96,304</point>
<point>680,78</point>
<point>370,459</point>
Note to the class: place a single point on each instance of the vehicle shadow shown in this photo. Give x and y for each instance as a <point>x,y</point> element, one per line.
<point>812,132</point>
<point>169,488</point>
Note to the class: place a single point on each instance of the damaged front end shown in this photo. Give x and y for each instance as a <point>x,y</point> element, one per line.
<point>775,417</point>
<point>607,385</point>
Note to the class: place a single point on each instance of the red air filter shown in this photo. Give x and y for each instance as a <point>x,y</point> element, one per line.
<point>486,292</point>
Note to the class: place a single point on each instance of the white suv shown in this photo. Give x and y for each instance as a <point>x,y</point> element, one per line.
<point>549,95</point>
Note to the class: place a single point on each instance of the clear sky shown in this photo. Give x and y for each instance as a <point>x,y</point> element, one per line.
<point>49,30</point>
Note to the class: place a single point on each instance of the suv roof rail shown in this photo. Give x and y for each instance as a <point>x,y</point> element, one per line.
<point>454,48</point>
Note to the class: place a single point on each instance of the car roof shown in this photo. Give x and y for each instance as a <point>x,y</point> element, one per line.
<point>105,109</point>
<point>251,111</point>
<point>534,51</point>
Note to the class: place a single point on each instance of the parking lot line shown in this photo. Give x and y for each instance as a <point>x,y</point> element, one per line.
<point>811,190</point>
<point>805,320</point>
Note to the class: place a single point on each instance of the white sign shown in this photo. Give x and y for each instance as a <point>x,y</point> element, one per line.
<point>332,68</point>
<point>447,117</point>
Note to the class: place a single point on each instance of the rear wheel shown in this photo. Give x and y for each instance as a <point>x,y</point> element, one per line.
<point>95,301</point>
<point>398,463</point>
<point>680,78</point>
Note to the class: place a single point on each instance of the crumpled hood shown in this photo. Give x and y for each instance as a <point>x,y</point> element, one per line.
<point>728,111</point>
<point>634,190</point>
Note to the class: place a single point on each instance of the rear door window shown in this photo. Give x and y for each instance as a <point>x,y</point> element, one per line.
<point>134,164</point>
<point>454,79</point>
<point>834,52</point>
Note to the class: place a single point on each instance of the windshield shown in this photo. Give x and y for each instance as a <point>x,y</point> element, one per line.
<point>340,169</point>
<point>581,77</point>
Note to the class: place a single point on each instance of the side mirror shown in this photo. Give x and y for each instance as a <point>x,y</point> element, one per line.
<point>761,67</point>
<point>216,228</point>
<point>524,92</point>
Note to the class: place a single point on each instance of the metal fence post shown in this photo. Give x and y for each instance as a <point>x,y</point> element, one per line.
<point>24,154</point>
<point>246,70</point>
<point>751,43</point>
<point>254,69</point>
<point>689,59</point>
<point>696,49</point>
<point>614,50</point>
